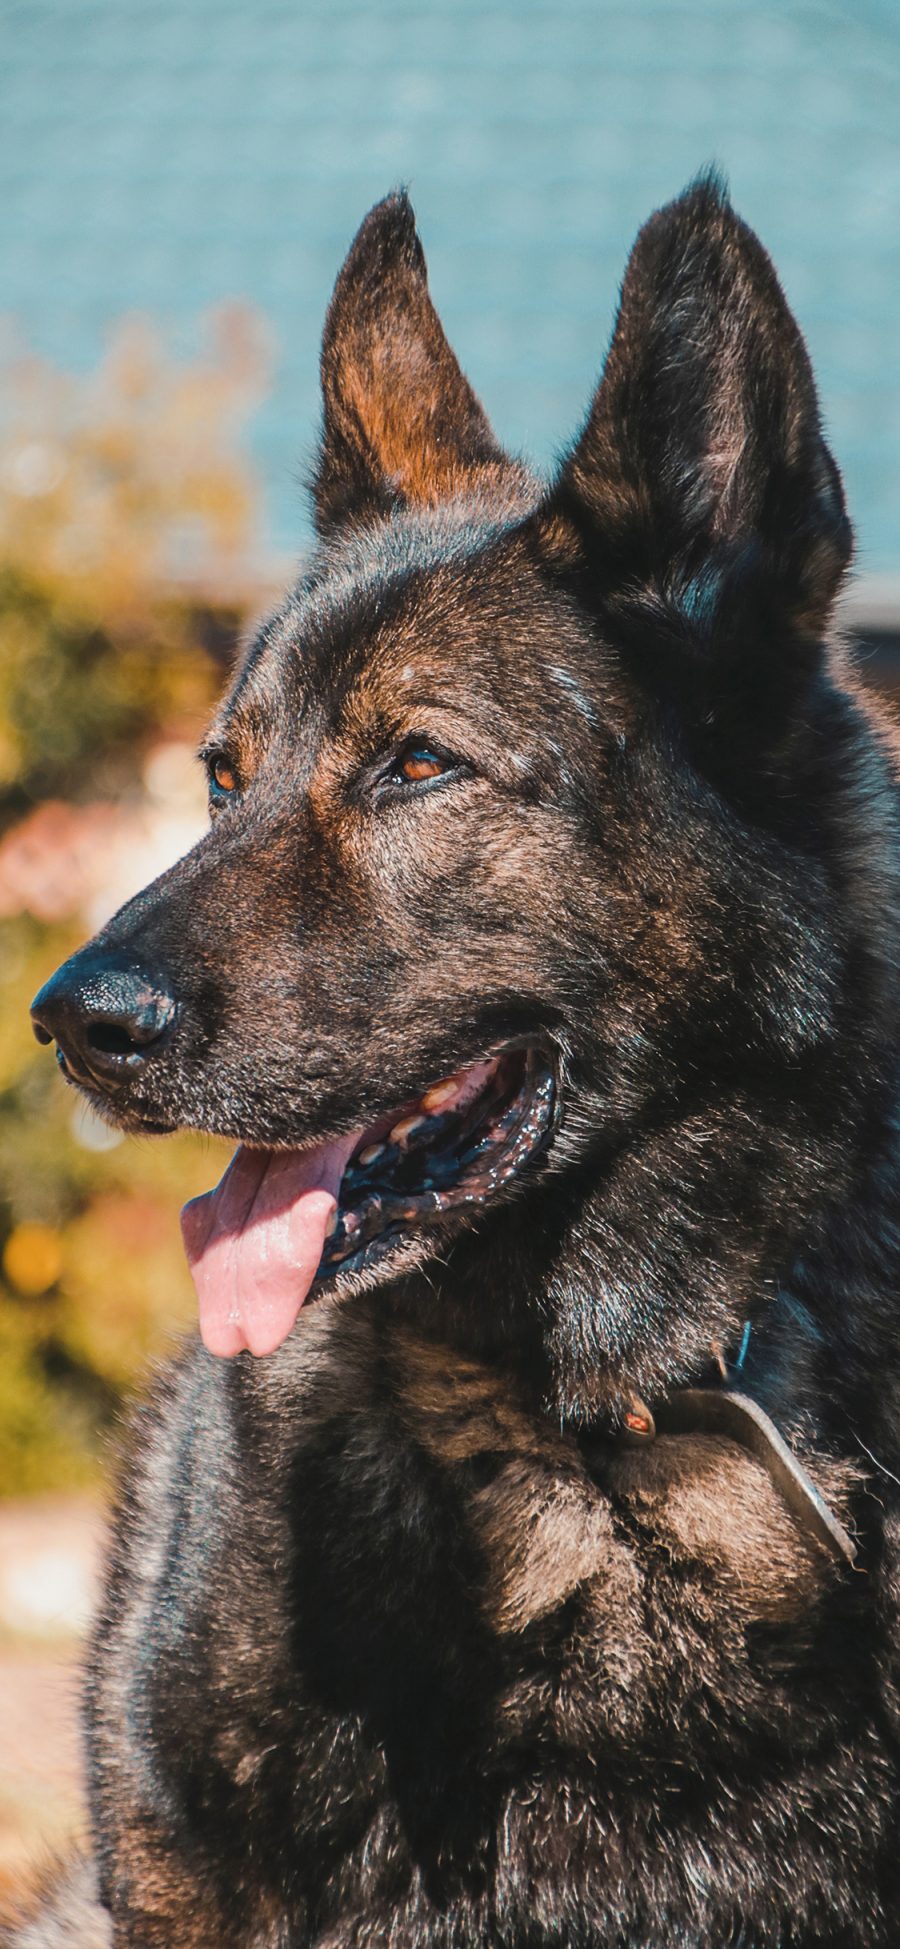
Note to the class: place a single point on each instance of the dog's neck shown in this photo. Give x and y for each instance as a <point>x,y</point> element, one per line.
<point>721,1408</point>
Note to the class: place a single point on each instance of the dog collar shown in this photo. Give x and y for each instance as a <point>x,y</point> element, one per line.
<point>725,1410</point>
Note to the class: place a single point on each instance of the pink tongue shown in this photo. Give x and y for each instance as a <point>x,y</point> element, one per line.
<point>254,1243</point>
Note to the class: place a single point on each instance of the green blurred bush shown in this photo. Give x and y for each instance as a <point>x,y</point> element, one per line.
<point>128,546</point>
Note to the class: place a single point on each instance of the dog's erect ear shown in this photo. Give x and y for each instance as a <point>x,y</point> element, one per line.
<point>702,469</point>
<point>401,422</point>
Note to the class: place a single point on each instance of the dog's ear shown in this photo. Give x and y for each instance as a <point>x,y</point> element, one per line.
<point>701,476</point>
<point>401,422</point>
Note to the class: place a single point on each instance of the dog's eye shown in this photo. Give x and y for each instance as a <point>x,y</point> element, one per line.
<point>416,762</point>
<point>416,768</point>
<point>222,776</point>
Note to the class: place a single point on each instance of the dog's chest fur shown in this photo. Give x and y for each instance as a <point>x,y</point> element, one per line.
<point>464,1669</point>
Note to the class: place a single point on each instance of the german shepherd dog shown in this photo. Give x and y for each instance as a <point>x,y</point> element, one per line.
<point>516,1563</point>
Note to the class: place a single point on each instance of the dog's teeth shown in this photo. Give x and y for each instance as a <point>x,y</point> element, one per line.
<point>439,1094</point>
<point>370,1155</point>
<point>403,1130</point>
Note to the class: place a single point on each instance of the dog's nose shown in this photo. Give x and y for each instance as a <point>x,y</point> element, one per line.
<point>105,1016</point>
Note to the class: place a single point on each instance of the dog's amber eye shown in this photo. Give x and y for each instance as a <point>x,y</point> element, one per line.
<point>223,776</point>
<point>418,762</point>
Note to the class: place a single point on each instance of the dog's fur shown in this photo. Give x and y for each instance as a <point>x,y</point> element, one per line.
<point>400,1643</point>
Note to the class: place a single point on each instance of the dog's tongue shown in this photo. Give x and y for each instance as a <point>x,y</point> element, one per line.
<point>254,1243</point>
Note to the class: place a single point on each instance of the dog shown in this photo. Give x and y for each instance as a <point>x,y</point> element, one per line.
<point>515,1561</point>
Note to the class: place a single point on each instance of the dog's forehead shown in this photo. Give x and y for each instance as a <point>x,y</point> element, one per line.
<point>415,603</point>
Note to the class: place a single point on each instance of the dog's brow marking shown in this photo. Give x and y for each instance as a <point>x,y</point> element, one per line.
<point>573,689</point>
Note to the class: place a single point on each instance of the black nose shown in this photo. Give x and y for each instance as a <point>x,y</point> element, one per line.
<point>105,1015</point>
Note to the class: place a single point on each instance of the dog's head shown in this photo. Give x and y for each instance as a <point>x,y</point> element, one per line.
<point>518,876</point>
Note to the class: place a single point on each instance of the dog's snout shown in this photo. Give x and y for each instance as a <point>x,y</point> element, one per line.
<point>105,1016</point>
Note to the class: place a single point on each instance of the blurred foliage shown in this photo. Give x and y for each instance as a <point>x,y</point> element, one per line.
<point>127,542</point>
<point>126,509</point>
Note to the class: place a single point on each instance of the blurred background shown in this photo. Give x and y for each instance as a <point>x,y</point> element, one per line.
<point>179,180</point>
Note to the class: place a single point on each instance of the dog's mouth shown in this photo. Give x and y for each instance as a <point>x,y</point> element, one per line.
<point>283,1224</point>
